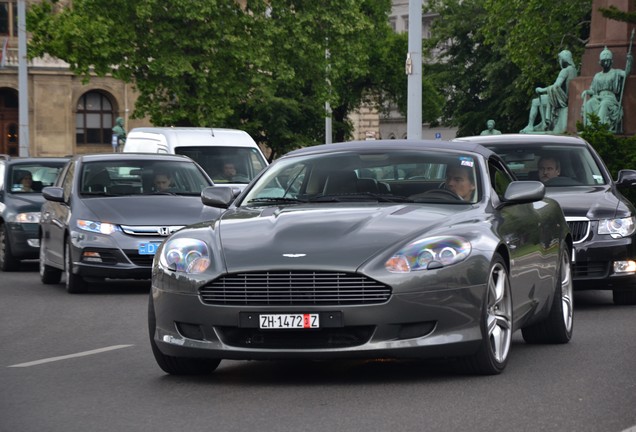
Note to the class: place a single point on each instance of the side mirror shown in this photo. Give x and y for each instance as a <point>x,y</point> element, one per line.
<point>626,178</point>
<point>524,191</point>
<point>217,196</point>
<point>53,193</point>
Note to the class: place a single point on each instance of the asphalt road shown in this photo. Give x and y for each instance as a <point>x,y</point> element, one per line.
<point>83,363</point>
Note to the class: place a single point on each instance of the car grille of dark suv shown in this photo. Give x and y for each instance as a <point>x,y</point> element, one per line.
<point>579,227</point>
<point>294,288</point>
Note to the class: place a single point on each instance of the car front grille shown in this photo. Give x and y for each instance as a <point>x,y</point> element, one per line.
<point>143,230</point>
<point>295,339</point>
<point>579,227</point>
<point>140,260</point>
<point>590,269</point>
<point>301,288</point>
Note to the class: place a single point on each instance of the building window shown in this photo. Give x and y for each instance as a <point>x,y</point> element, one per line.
<point>94,119</point>
<point>8,18</point>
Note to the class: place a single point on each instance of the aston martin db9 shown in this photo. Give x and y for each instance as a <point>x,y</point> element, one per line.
<point>374,249</point>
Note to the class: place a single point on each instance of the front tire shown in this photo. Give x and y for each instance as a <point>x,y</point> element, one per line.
<point>7,261</point>
<point>557,327</point>
<point>48,275</point>
<point>492,356</point>
<point>176,365</point>
<point>74,283</point>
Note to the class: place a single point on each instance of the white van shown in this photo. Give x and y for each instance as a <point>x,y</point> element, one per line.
<point>230,156</point>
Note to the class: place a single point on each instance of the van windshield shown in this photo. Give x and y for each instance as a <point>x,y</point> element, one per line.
<point>226,164</point>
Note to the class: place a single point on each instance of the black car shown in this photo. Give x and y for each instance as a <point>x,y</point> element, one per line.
<point>602,220</point>
<point>107,214</point>
<point>21,183</point>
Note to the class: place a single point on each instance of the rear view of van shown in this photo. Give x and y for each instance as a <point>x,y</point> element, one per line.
<point>230,156</point>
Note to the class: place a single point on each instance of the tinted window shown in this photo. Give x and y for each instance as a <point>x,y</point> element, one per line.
<point>134,177</point>
<point>576,165</point>
<point>400,175</point>
<point>247,162</point>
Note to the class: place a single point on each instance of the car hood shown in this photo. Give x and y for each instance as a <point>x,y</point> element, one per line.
<point>22,203</point>
<point>150,210</point>
<point>593,202</point>
<point>338,236</point>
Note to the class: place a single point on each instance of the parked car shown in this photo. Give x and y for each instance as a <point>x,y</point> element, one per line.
<point>107,214</point>
<point>230,156</point>
<point>333,252</point>
<point>602,220</point>
<point>21,183</point>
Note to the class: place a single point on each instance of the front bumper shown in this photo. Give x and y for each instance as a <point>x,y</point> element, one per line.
<point>24,241</point>
<point>435,323</point>
<point>114,256</point>
<point>594,262</point>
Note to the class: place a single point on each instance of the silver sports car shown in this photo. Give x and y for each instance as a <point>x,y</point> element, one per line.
<point>373,249</point>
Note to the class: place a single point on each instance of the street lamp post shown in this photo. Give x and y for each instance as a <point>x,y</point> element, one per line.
<point>414,72</point>
<point>23,92</point>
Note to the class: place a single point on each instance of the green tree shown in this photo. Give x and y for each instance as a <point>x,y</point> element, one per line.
<point>489,55</point>
<point>261,67</point>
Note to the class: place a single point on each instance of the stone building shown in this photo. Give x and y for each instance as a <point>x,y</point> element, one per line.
<point>65,115</point>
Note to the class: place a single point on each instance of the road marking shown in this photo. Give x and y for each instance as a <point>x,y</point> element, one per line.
<point>65,357</point>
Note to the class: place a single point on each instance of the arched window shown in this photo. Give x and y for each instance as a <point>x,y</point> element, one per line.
<point>94,119</point>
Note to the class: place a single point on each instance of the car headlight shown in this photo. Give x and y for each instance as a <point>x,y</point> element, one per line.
<point>617,228</point>
<point>97,227</point>
<point>429,253</point>
<point>31,217</point>
<point>186,255</point>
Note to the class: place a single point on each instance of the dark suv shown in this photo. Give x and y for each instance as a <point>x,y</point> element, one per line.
<point>21,183</point>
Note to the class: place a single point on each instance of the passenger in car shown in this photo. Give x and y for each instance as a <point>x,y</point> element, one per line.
<point>549,168</point>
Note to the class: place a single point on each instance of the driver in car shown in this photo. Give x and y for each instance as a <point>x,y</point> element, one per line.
<point>460,180</point>
<point>549,168</point>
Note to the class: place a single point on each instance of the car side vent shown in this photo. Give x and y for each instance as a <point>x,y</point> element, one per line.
<point>294,288</point>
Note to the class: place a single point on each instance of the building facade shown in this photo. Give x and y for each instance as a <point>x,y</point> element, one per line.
<point>68,116</point>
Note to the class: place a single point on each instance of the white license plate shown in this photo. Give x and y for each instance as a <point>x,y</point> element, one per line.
<point>289,321</point>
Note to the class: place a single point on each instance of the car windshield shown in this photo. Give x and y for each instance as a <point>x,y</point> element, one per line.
<point>395,176</point>
<point>226,164</point>
<point>141,177</point>
<point>554,165</point>
<point>32,177</point>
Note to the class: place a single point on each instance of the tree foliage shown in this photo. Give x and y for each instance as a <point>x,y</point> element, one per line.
<point>490,55</point>
<point>260,67</point>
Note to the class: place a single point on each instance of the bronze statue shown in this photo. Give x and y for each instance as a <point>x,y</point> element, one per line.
<point>552,102</point>
<point>119,135</point>
<point>490,129</point>
<point>606,91</point>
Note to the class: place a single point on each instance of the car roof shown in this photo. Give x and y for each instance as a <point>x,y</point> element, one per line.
<point>519,139</point>
<point>105,157</point>
<point>29,159</point>
<point>383,145</point>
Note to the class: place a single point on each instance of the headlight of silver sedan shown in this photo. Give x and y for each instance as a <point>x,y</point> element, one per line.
<point>186,255</point>
<point>617,228</point>
<point>429,253</point>
<point>31,217</point>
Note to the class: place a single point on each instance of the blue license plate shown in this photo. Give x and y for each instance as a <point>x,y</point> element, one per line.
<point>148,248</point>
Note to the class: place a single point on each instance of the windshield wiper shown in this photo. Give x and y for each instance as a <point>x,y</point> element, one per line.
<point>275,199</point>
<point>361,196</point>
